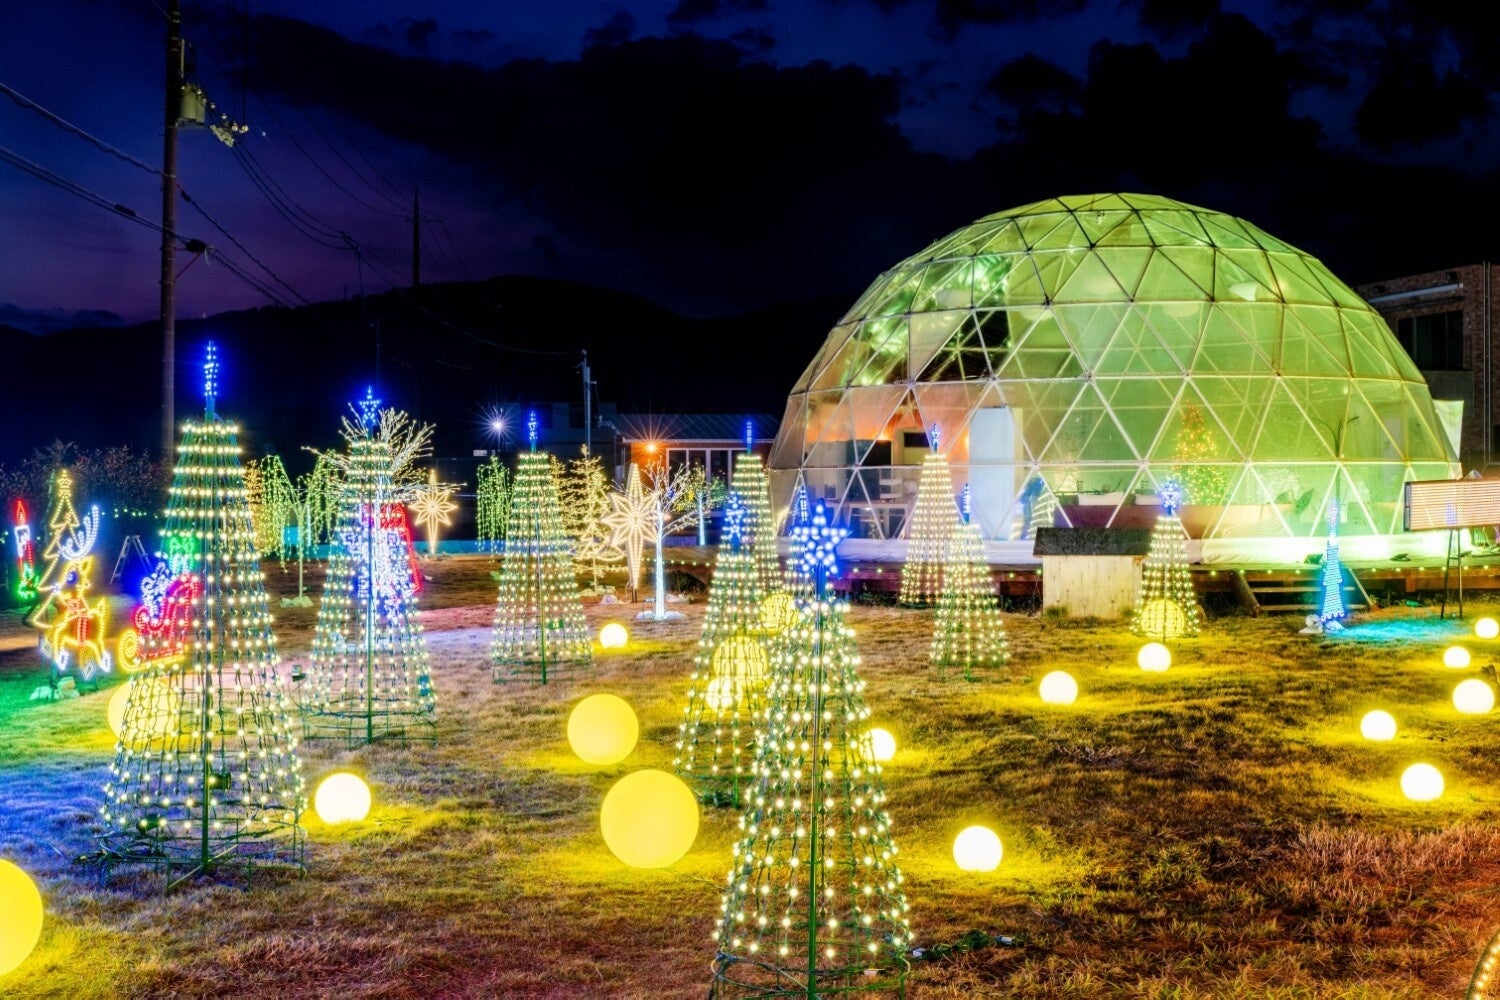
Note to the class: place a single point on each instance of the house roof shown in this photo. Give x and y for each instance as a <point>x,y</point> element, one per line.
<point>694,426</point>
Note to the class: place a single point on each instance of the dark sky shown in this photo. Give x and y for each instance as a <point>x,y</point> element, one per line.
<point>719,156</point>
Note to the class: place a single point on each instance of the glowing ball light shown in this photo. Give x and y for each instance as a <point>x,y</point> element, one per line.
<point>1473,697</point>
<point>649,819</point>
<point>602,729</point>
<point>778,612</point>
<point>1487,628</point>
<point>1378,725</point>
<point>342,798</point>
<point>1059,688</point>
<point>977,849</point>
<point>882,745</point>
<point>1154,657</point>
<point>20,916</point>
<point>1455,656</point>
<point>163,704</point>
<point>613,636</point>
<point>1422,783</point>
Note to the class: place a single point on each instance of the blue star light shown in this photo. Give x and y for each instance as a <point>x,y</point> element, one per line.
<point>1171,496</point>
<point>817,546</point>
<point>369,408</point>
<point>531,426</point>
<point>966,505</point>
<point>734,521</point>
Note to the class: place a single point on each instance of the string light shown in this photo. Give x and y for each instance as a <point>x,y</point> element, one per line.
<point>540,632</point>
<point>758,528</point>
<point>74,631</point>
<point>491,503</point>
<point>432,505</point>
<point>967,632</point>
<point>62,521</point>
<point>1333,611</point>
<point>230,796</point>
<point>1167,607</point>
<point>210,378</point>
<point>933,518</point>
<point>583,494</point>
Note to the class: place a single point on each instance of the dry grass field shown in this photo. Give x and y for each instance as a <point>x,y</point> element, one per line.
<point>1219,830</point>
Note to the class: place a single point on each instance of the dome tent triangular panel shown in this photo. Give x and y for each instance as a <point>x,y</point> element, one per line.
<point>1082,346</point>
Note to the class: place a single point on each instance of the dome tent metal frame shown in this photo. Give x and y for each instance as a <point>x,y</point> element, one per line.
<point>1077,352</point>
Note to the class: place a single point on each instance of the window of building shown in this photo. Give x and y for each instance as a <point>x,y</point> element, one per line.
<point>1435,342</point>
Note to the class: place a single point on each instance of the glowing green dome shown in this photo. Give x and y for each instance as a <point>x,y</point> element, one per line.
<point>1076,352</point>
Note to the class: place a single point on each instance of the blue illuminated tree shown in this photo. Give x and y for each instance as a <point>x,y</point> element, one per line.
<point>1332,611</point>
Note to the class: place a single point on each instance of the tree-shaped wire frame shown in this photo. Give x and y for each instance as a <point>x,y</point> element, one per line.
<point>967,631</point>
<point>540,632</point>
<point>218,784</point>
<point>749,483</point>
<point>368,677</point>
<point>1168,605</point>
<point>814,904</point>
<point>715,749</point>
<point>933,518</point>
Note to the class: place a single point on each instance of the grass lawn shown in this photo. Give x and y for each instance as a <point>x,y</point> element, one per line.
<point>1219,830</point>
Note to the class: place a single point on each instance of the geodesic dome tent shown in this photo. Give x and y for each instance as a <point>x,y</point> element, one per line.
<point>1075,353</point>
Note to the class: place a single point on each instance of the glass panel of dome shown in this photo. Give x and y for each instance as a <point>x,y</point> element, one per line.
<point>1127,265</point>
<point>1285,433</point>
<point>1226,231</point>
<point>1130,232</point>
<point>1238,404</point>
<point>1243,275</point>
<point>1090,328</point>
<point>1136,350</point>
<point>1090,281</point>
<point>1295,281</point>
<point>1376,335</point>
<point>1425,438</point>
<point>1021,285</point>
<point>886,342</point>
<point>838,338</point>
<point>875,410</point>
<point>929,332</point>
<point>963,357</point>
<point>988,278</point>
<point>945,284</point>
<point>1310,350</point>
<point>1233,327</point>
<point>1365,433</point>
<point>1325,401</point>
<point>1054,231</point>
<point>1177,325</point>
<point>900,291</point>
<point>1367,361</point>
<point>997,237</point>
<point>950,405</point>
<point>1250,510</point>
<point>787,451</point>
<point>1055,267</point>
<point>830,426</point>
<point>1169,229</point>
<point>1039,407</point>
<point>838,363</point>
<point>1140,406</point>
<point>1198,263</point>
<point>1089,433</point>
<point>1165,281</point>
<point>1098,222</point>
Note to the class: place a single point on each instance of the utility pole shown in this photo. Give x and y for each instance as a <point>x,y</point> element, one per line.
<point>588,422</point>
<point>416,237</point>
<point>169,226</point>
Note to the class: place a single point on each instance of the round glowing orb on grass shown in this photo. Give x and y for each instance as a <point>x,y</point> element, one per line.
<point>1154,657</point>
<point>1422,783</point>
<point>1059,688</point>
<point>613,636</point>
<point>977,849</point>
<point>882,745</point>
<point>157,713</point>
<point>1456,656</point>
<point>1473,697</point>
<point>342,798</point>
<point>649,819</point>
<point>1487,628</point>
<point>1378,725</point>
<point>20,916</point>
<point>602,729</point>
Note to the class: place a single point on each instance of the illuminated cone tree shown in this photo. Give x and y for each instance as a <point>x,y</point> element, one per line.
<point>1331,608</point>
<point>968,632</point>
<point>206,774</point>
<point>814,905</point>
<point>540,632</point>
<point>62,521</point>
<point>749,483</point>
<point>368,677</point>
<point>1168,606</point>
<point>933,518</point>
<point>716,738</point>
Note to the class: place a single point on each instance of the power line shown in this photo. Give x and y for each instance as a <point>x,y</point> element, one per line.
<point>344,160</point>
<point>320,168</point>
<point>68,126</point>
<point>244,249</point>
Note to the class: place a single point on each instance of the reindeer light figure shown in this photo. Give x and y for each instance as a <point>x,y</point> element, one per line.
<point>73,628</point>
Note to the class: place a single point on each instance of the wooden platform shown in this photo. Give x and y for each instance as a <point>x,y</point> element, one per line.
<point>1260,589</point>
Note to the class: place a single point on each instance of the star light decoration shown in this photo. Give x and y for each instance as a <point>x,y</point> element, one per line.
<point>369,408</point>
<point>432,504</point>
<point>632,523</point>
<point>734,522</point>
<point>817,545</point>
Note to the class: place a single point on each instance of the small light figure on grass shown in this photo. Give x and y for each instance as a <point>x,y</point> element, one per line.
<point>1456,657</point>
<point>1059,688</point>
<point>649,819</point>
<point>1422,783</point>
<point>977,849</point>
<point>1487,628</point>
<point>1332,611</point>
<point>602,729</point>
<point>342,797</point>
<point>1473,697</point>
<point>613,636</point>
<point>20,916</point>
<point>1154,657</point>
<point>1378,725</point>
<point>882,745</point>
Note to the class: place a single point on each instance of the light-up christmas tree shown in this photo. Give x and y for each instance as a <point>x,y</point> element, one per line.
<point>491,504</point>
<point>1331,609</point>
<point>968,632</point>
<point>1167,607</point>
<point>933,518</point>
<point>62,521</point>
<point>796,581</point>
<point>368,675</point>
<point>727,689</point>
<point>220,788</point>
<point>540,632</point>
<point>584,493</point>
<point>814,905</point>
<point>749,483</point>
